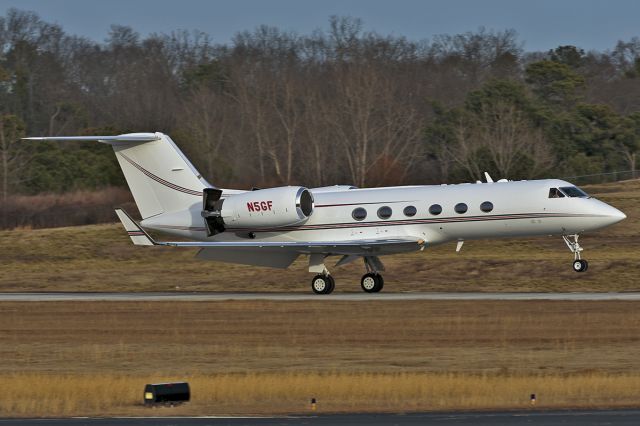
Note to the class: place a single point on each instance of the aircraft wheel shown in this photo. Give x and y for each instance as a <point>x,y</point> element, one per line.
<point>333,284</point>
<point>380,282</point>
<point>580,265</point>
<point>322,284</point>
<point>372,282</point>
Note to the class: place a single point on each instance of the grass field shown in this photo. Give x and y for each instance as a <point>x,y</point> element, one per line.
<point>243,357</point>
<point>102,258</point>
<point>286,393</point>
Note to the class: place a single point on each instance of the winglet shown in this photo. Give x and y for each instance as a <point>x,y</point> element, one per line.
<point>137,234</point>
<point>488,178</point>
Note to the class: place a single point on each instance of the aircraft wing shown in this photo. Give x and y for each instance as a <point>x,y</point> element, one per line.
<point>354,247</point>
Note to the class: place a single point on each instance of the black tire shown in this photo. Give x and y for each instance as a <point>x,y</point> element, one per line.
<point>380,282</point>
<point>321,284</point>
<point>371,282</point>
<point>580,265</point>
<point>586,265</point>
<point>332,283</point>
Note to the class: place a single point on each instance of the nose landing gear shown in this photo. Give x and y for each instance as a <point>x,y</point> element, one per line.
<point>579,264</point>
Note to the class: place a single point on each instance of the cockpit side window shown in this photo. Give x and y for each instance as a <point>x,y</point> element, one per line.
<point>574,191</point>
<point>555,193</point>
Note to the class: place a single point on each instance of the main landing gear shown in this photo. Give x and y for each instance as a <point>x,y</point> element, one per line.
<point>579,264</point>
<point>372,282</point>
<point>323,282</point>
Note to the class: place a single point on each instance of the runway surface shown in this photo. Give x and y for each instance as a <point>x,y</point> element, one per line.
<point>351,297</point>
<point>536,418</point>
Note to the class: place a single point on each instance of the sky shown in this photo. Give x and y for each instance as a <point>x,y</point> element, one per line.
<point>541,24</point>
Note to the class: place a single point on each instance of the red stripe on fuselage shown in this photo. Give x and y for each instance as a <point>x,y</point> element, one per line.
<point>347,225</point>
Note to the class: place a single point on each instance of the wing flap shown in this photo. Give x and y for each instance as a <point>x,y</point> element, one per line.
<point>270,257</point>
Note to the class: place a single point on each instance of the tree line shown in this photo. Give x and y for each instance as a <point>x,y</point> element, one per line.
<point>341,105</point>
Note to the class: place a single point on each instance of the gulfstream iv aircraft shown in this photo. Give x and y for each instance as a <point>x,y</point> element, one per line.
<point>274,226</point>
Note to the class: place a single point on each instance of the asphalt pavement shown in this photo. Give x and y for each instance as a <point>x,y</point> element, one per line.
<point>533,418</point>
<point>353,297</point>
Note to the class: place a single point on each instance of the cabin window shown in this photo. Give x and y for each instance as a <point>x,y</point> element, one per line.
<point>410,211</point>
<point>574,191</point>
<point>359,214</point>
<point>460,208</point>
<point>486,207</point>
<point>435,209</point>
<point>555,193</point>
<point>384,212</point>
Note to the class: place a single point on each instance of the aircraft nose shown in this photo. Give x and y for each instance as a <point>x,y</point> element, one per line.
<point>605,215</point>
<point>615,215</point>
<point>620,215</point>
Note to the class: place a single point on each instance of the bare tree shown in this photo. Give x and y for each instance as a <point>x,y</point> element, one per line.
<point>377,130</point>
<point>207,119</point>
<point>510,138</point>
<point>499,137</point>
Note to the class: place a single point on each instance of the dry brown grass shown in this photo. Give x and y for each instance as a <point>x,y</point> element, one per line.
<point>243,357</point>
<point>274,393</point>
<point>248,336</point>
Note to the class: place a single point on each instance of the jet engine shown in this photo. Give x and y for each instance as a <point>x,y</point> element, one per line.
<point>264,208</point>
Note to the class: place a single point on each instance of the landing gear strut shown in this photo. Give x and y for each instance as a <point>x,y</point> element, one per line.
<point>579,264</point>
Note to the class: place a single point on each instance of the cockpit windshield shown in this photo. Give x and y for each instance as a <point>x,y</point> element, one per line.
<point>555,193</point>
<point>567,191</point>
<point>574,191</point>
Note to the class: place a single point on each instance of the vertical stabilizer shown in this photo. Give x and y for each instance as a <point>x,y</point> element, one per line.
<point>161,178</point>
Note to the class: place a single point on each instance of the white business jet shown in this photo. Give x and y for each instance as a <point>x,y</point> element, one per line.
<point>274,226</point>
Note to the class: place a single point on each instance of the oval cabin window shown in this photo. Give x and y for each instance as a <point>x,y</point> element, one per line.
<point>435,209</point>
<point>486,207</point>
<point>410,211</point>
<point>384,212</point>
<point>461,208</point>
<point>359,214</point>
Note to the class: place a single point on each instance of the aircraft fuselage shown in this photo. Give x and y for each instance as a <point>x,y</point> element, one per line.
<point>516,209</point>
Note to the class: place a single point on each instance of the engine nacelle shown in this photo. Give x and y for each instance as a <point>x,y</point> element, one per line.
<point>265,208</point>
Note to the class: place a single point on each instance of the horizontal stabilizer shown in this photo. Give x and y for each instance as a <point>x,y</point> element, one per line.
<point>137,234</point>
<point>130,137</point>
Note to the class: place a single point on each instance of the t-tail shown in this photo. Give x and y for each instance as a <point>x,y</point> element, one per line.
<point>162,180</point>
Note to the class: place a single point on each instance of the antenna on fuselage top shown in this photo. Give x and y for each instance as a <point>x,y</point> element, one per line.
<point>487,177</point>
